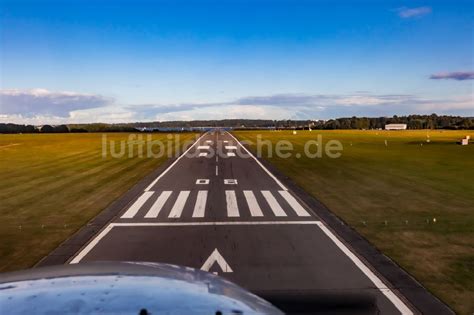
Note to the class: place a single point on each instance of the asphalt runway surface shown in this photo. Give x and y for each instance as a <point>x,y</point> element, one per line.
<point>217,208</point>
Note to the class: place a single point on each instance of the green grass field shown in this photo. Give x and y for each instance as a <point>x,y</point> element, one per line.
<point>53,184</point>
<point>391,194</point>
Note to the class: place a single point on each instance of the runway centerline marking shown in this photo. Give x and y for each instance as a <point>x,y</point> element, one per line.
<point>158,205</point>
<point>173,164</point>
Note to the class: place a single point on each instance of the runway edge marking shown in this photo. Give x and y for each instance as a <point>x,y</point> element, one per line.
<point>379,284</point>
<point>174,163</point>
<point>259,163</point>
<point>91,244</point>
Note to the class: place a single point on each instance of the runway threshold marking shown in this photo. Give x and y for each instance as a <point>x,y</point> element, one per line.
<point>273,203</point>
<point>231,200</point>
<point>200,205</point>
<point>179,204</point>
<point>295,205</point>
<point>132,211</point>
<point>158,204</point>
<point>254,208</point>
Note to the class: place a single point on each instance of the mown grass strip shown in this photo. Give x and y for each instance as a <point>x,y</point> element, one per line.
<point>51,185</point>
<point>410,193</point>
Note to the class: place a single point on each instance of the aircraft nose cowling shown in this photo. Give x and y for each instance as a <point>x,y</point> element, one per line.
<point>125,288</point>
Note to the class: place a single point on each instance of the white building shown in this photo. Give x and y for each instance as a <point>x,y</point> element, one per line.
<point>395,126</point>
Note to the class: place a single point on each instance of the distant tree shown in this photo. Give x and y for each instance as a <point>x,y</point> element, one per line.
<point>47,129</point>
<point>61,129</point>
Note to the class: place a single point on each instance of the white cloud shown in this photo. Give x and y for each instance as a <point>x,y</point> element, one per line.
<point>457,75</point>
<point>407,13</point>
<point>41,102</point>
<point>279,106</point>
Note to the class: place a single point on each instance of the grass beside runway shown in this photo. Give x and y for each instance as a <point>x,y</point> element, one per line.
<point>53,184</point>
<point>391,187</point>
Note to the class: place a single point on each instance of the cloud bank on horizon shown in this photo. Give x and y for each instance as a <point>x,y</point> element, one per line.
<point>38,106</point>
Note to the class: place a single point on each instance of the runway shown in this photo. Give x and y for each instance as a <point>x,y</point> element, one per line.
<point>227,213</point>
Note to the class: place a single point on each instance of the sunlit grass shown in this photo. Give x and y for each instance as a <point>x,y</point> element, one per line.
<point>390,186</point>
<point>52,184</point>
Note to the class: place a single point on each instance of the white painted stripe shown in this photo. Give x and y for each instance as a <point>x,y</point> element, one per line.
<point>158,205</point>
<point>230,154</point>
<point>273,203</point>
<point>208,141</point>
<point>104,232</point>
<point>200,206</point>
<point>232,208</point>
<point>203,154</point>
<point>132,211</point>
<point>300,211</point>
<point>375,280</point>
<point>255,210</point>
<point>402,307</point>
<point>230,147</point>
<point>203,147</point>
<point>217,170</point>
<point>261,165</point>
<point>216,257</point>
<point>216,223</point>
<point>225,141</point>
<point>91,245</point>
<point>179,204</point>
<point>173,164</point>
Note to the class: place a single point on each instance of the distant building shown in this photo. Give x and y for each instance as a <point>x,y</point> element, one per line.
<point>395,126</point>
<point>465,141</point>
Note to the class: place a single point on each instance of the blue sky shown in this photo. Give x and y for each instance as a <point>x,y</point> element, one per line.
<point>113,61</point>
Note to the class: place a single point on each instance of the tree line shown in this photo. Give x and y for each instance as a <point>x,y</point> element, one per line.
<point>412,121</point>
<point>432,121</point>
